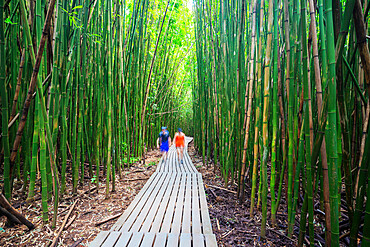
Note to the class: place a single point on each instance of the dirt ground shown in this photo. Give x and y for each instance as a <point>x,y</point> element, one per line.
<point>230,220</point>
<point>90,208</point>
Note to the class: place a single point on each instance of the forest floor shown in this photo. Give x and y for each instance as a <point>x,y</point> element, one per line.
<point>230,219</point>
<point>231,222</point>
<point>92,207</point>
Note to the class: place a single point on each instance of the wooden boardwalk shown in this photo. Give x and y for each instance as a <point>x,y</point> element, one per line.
<point>170,210</point>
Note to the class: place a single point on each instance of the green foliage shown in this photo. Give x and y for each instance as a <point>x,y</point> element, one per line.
<point>132,160</point>
<point>93,179</point>
<point>72,16</point>
<point>8,21</point>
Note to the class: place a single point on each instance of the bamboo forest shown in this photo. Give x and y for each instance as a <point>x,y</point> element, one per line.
<point>273,96</point>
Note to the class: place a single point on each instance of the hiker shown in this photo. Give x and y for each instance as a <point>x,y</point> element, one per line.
<point>179,140</point>
<point>164,142</point>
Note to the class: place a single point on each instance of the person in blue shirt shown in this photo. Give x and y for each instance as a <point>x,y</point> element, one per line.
<point>164,142</point>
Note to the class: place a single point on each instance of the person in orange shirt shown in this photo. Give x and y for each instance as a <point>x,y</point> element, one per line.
<point>179,140</point>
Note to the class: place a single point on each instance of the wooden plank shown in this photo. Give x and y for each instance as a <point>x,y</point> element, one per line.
<point>191,165</point>
<point>176,224</point>
<point>168,162</point>
<point>172,154</point>
<point>176,163</point>
<point>180,168</point>
<point>198,240</point>
<point>136,239</point>
<point>149,205</point>
<point>152,190</point>
<point>164,164</point>
<point>111,239</point>
<point>187,165</point>
<point>100,238</point>
<point>185,240</point>
<point>167,199</point>
<point>206,222</point>
<point>148,239</point>
<point>160,240</point>
<point>210,240</point>
<point>124,239</point>
<point>173,240</point>
<point>166,225</point>
<point>189,158</point>
<point>184,166</point>
<point>196,225</point>
<point>173,161</point>
<point>186,220</point>
<point>151,182</point>
<point>118,225</point>
<point>176,166</point>
<point>159,166</point>
<point>156,205</point>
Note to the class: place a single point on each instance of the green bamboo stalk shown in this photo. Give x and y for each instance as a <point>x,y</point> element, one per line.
<point>258,110</point>
<point>266,96</point>
<point>290,110</point>
<point>274,149</point>
<point>35,142</point>
<point>63,100</point>
<point>331,139</point>
<point>4,108</point>
<point>298,171</point>
<point>325,169</point>
<point>308,127</point>
<point>109,82</point>
<point>42,163</point>
<point>248,104</point>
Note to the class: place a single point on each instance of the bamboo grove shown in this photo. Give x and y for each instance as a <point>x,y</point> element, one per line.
<point>85,84</point>
<point>282,105</point>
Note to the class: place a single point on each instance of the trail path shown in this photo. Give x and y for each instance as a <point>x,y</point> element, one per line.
<point>170,210</point>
